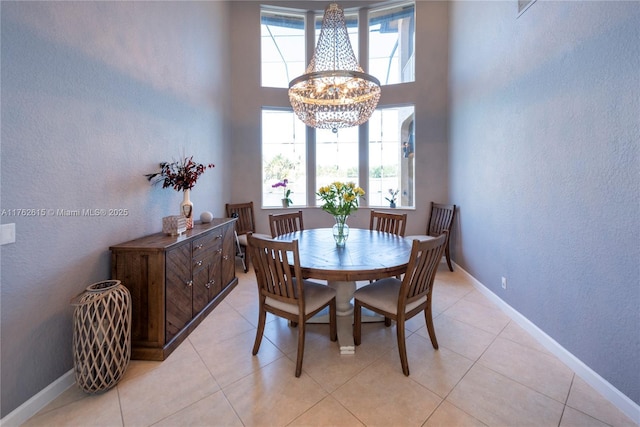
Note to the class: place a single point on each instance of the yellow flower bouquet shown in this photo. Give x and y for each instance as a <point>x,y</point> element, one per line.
<point>340,200</point>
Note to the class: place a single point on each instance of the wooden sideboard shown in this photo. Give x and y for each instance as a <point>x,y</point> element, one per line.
<point>175,282</point>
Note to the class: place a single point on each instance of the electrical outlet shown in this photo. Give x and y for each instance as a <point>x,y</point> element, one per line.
<point>504,283</point>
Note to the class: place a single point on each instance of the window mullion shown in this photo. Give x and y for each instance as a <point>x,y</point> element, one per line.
<point>363,134</point>
<point>363,39</point>
<point>310,36</point>
<point>311,169</point>
<point>363,161</point>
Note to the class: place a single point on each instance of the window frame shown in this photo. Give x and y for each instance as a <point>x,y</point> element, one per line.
<point>282,14</point>
<point>363,130</point>
<point>398,10</point>
<point>267,187</point>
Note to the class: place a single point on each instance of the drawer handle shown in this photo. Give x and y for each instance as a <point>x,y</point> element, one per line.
<point>219,236</point>
<point>190,283</point>
<point>199,246</point>
<point>199,263</point>
<point>219,251</point>
<point>225,257</point>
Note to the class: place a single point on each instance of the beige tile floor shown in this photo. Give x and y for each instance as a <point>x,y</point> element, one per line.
<point>487,372</point>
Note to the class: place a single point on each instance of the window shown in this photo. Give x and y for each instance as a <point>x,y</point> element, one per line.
<point>311,158</point>
<point>336,156</point>
<point>283,157</point>
<point>282,47</point>
<point>391,156</point>
<point>391,41</point>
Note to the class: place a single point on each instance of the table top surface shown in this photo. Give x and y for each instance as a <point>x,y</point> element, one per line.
<point>367,254</point>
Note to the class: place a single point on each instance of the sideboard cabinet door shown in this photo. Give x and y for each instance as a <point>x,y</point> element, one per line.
<point>206,254</point>
<point>228,269</point>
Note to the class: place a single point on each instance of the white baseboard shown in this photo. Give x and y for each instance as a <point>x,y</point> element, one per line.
<point>31,407</point>
<point>602,386</point>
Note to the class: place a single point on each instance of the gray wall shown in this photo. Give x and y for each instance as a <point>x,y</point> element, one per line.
<point>545,113</point>
<point>428,93</point>
<point>94,96</point>
<point>543,156</point>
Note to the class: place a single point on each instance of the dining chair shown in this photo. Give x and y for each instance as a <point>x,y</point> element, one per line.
<point>245,223</point>
<point>389,222</point>
<point>400,300</point>
<point>393,223</point>
<point>441,219</point>
<point>285,223</point>
<point>283,292</point>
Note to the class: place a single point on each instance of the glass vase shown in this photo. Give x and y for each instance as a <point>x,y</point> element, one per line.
<point>341,230</point>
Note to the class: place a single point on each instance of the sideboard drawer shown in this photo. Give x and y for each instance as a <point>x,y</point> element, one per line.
<point>205,250</point>
<point>204,243</point>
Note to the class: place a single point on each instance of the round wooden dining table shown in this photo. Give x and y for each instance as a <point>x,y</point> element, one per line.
<point>367,255</point>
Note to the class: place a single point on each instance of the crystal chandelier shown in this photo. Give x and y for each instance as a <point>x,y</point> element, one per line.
<point>334,92</point>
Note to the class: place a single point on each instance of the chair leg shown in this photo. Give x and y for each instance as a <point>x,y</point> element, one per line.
<point>244,262</point>
<point>446,253</point>
<point>246,259</point>
<point>432,332</point>
<point>242,254</point>
<point>402,345</point>
<point>387,322</point>
<point>357,322</point>
<point>262,317</point>
<point>333,327</point>
<point>301,335</point>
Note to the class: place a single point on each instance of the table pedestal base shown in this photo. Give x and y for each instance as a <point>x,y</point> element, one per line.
<point>344,295</point>
<point>345,334</point>
<point>344,315</point>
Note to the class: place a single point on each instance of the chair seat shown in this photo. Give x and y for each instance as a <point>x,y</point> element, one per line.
<point>242,238</point>
<point>384,295</point>
<point>315,296</point>
<point>421,237</point>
